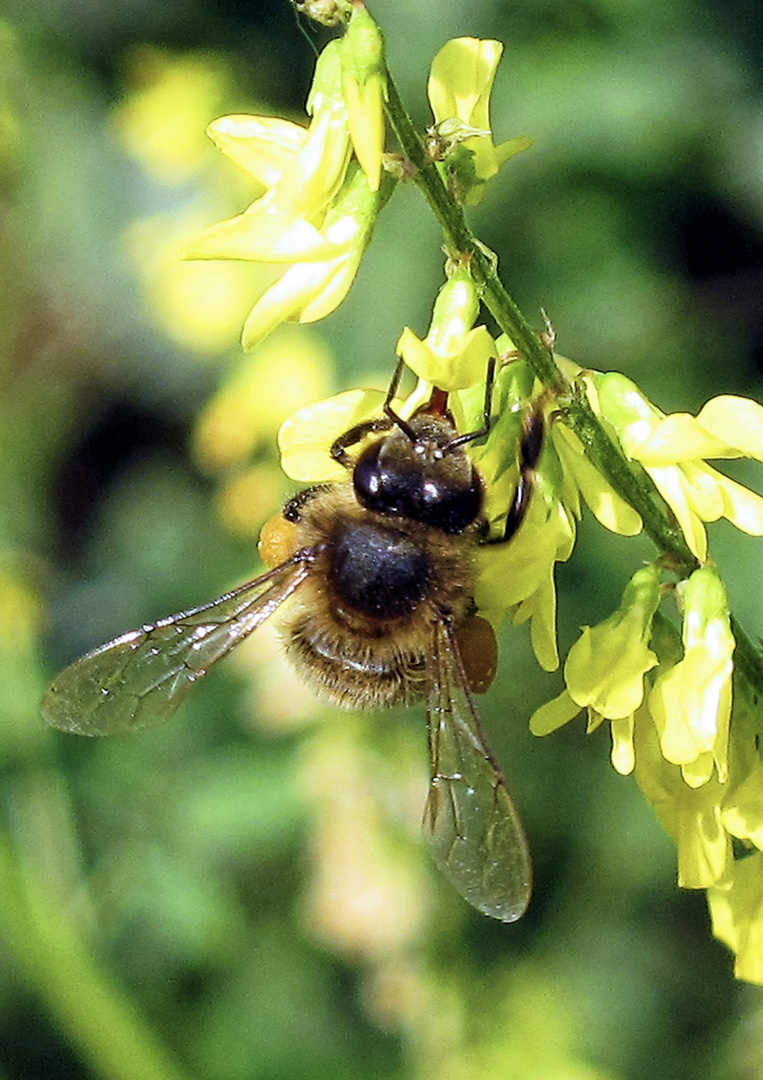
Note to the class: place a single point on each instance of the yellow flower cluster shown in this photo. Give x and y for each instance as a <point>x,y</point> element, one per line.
<point>319,205</point>
<point>323,184</point>
<point>668,696</point>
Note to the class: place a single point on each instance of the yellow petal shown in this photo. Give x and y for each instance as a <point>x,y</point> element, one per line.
<point>364,86</point>
<point>691,816</point>
<point>284,301</point>
<point>553,714</point>
<point>305,439</point>
<point>318,170</point>
<point>336,284</point>
<point>743,508</point>
<point>737,914</point>
<point>670,484</point>
<point>679,437</point>
<point>606,505</point>
<point>703,493</point>
<point>539,609</point>
<point>461,79</point>
<point>511,147</point>
<point>455,370</point>
<point>743,807</point>
<point>737,421</point>
<point>543,624</point>
<point>262,237</point>
<point>509,573</point>
<point>264,146</point>
<point>698,772</point>
<point>365,111</point>
<point>623,755</point>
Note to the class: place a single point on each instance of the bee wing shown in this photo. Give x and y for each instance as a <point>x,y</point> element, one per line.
<point>141,677</point>
<point>470,821</point>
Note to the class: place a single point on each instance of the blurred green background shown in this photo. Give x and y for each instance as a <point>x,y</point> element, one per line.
<point>243,893</point>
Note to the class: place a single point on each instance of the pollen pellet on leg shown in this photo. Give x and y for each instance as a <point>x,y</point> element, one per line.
<point>478,649</point>
<point>278,541</point>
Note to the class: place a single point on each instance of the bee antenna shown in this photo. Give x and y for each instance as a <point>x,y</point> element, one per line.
<point>389,412</point>
<point>487,408</point>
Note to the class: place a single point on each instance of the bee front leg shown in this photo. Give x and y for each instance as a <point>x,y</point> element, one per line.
<point>356,434</point>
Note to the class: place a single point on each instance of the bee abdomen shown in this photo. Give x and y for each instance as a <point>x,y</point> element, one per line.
<point>352,673</point>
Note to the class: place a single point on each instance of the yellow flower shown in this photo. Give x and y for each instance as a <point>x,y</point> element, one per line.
<point>692,816</point>
<point>317,211</point>
<point>671,449</point>
<point>259,392</point>
<point>605,667</point>
<point>167,101</point>
<point>459,87</point>
<point>691,702</point>
<point>455,353</point>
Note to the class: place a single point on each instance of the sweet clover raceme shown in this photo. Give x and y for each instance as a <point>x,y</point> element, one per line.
<point>670,671</point>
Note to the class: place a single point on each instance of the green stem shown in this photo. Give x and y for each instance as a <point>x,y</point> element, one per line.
<point>627,478</point>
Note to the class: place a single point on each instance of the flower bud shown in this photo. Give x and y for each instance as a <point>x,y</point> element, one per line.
<point>364,87</point>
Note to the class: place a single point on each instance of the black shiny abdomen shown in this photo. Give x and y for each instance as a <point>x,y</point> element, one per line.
<point>377,570</point>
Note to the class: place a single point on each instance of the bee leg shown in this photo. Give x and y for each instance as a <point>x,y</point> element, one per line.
<point>389,412</point>
<point>292,511</point>
<point>350,438</point>
<point>530,448</point>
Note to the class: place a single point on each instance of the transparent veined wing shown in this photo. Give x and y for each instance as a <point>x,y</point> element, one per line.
<point>141,677</point>
<point>470,822</point>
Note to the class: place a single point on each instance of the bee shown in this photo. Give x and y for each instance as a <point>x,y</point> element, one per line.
<point>375,587</point>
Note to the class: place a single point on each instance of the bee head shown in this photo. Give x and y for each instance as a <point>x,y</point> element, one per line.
<point>418,473</point>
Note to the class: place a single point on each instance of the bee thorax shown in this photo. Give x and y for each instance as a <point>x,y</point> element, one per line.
<point>376,570</point>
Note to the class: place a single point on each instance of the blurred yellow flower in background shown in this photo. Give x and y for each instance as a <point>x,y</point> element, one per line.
<point>168,100</point>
